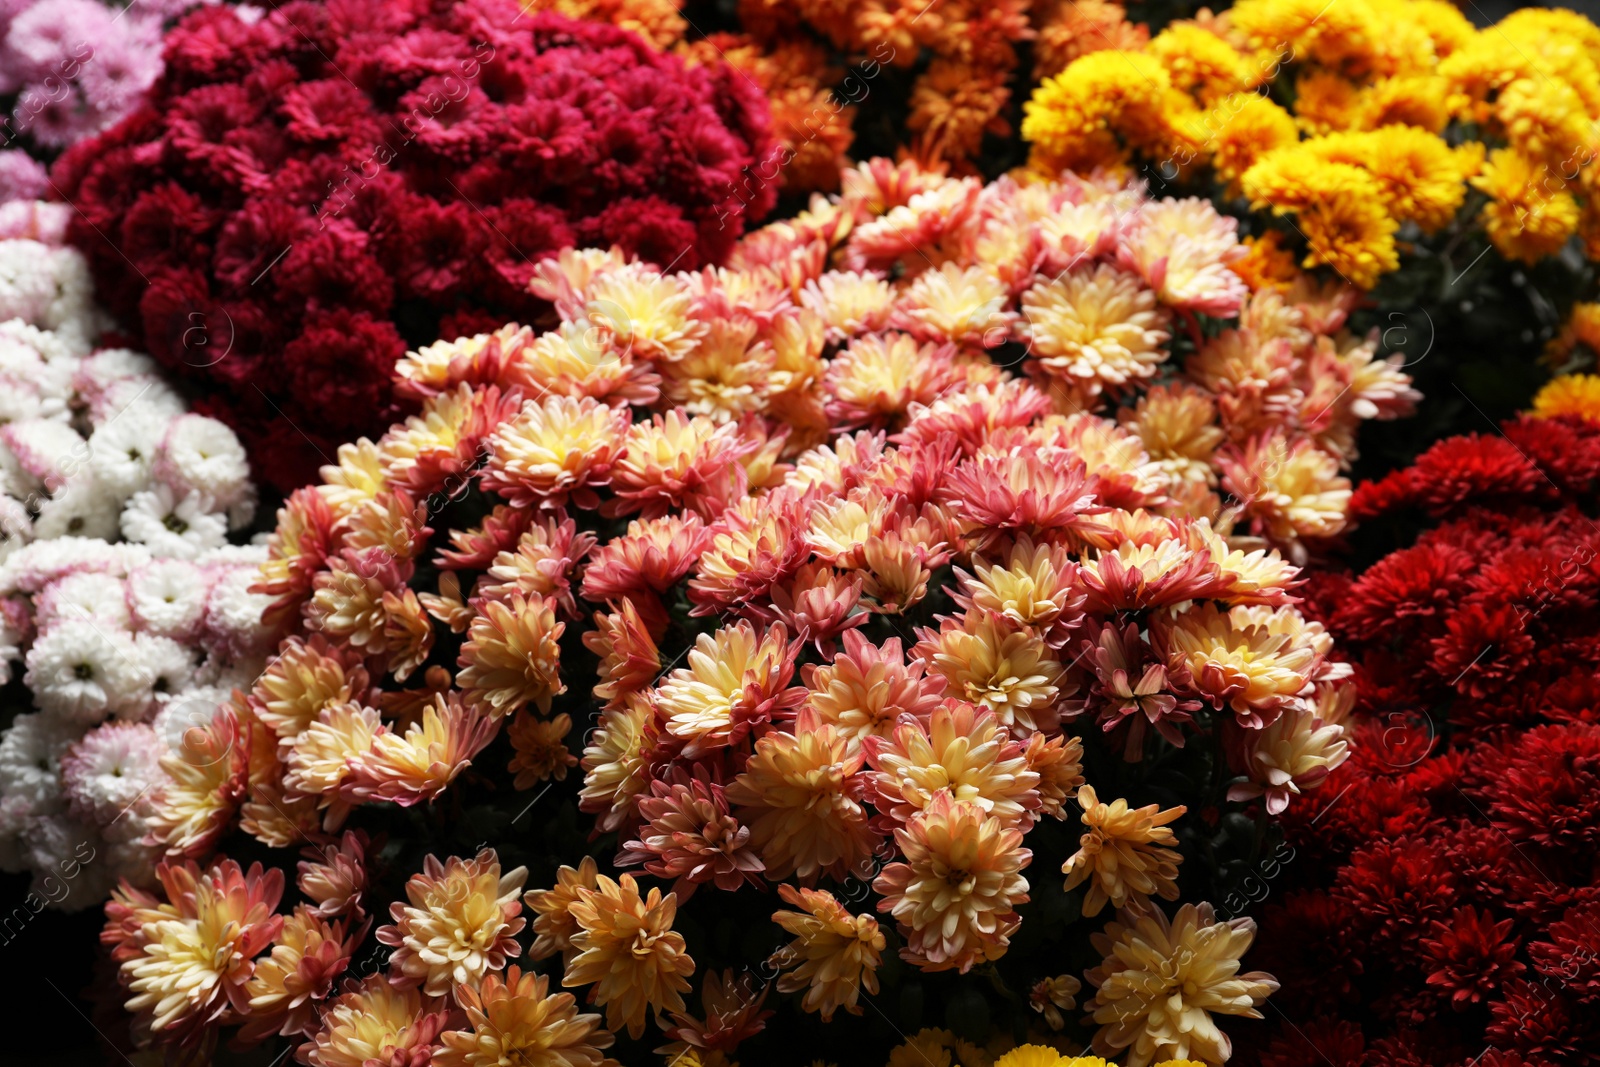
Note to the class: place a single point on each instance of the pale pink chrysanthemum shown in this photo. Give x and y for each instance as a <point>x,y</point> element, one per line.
<point>555,450</point>
<point>867,689</point>
<point>689,834</point>
<point>960,750</point>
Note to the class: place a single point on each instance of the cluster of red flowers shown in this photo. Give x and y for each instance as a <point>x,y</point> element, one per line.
<point>1455,914</point>
<point>334,181</point>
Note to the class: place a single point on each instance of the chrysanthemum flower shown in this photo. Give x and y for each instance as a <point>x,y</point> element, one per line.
<point>553,451</point>
<point>1569,395</point>
<point>733,1014</point>
<point>1161,980</point>
<point>834,954</point>
<point>1289,490</point>
<point>1036,589</point>
<point>1182,249</point>
<point>418,765</point>
<point>302,679</point>
<point>850,304</point>
<point>1043,492</point>
<point>1247,126</point>
<point>801,797</point>
<point>299,547</point>
<point>728,375</point>
<point>1254,664</point>
<point>541,749</point>
<point>1292,755</point>
<point>614,768</point>
<point>1131,692</point>
<point>440,445</point>
<point>1136,576</point>
<point>735,682</point>
<point>960,750</point>
<point>627,948</point>
<point>646,313</point>
<point>755,544</point>
<point>1052,996</point>
<point>1124,851</point>
<point>375,1021</point>
<point>206,783</point>
<point>867,689</point>
<point>335,877</point>
<point>515,1020</point>
<point>688,834</point>
<point>347,605</point>
<point>955,893</point>
<point>677,463</point>
<point>460,924</point>
<point>289,983</point>
<point>629,660</point>
<point>320,758</point>
<point>582,359</point>
<point>650,558</point>
<point>194,967</point>
<point>875,379</point>
<point>965,306</point>
<point>1098,327</point>
<point>513,656</point>
<point>990,663</point>
<point>553,922</point>
<point>543,563</point>
<point>1177,425</point>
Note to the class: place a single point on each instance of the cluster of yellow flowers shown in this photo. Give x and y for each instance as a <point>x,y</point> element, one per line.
<point>1350,121</point>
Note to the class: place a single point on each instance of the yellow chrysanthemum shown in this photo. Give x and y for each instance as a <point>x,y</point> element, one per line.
<point>1161,981</point>
<point>1245,127</point>
<point>1201,63</point>
<point>626,947</point>
<point>516,1021</point>
<point>1251,664</point>
<point>1127,852</point>
<point>834,954</point>
<point>1530,215</point>
<point>1570,394</point>
<point>512,656</point>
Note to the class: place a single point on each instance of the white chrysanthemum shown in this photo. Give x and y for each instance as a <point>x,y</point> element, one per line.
<point>16,526</point>
<point>109,365</point>
<point>48,449</point>
<point>168,597</point>
<point>84,595</point>
<point>123,449</point>
<point>149,393</point>
<point>110,769</point>
<point>21,398</point>
<point>173,528</point>
<point>30,759</point>
<point>26,291</point>
<point>83,672</point>
<point>233,613</point>
<point>171,664</point>
<point>78,509</point>
<point>35,566</point>
<point>203,455</point>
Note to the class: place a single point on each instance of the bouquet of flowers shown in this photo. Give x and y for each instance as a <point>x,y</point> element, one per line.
<point>1447,902</point>
<point>120,596</point>
<point>892,650</point>
<point>307,192</point>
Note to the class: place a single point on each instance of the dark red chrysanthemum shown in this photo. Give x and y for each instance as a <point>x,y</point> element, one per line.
<point>1470,954</point>
<point>1475,469</point>
<point>404,164</point>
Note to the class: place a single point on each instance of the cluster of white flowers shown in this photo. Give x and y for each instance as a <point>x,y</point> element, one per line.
<point>121,598</point>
